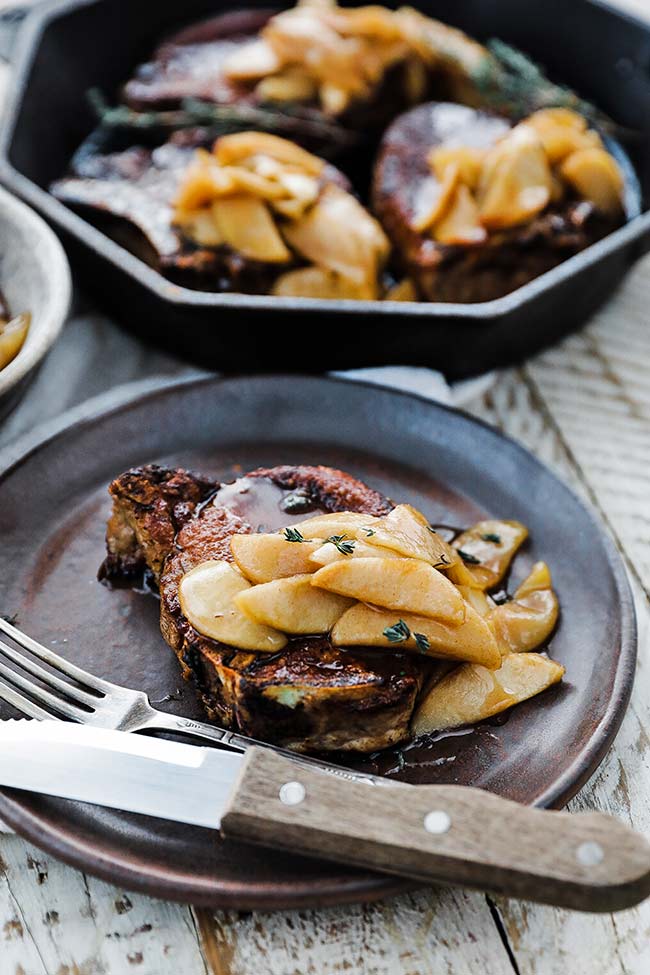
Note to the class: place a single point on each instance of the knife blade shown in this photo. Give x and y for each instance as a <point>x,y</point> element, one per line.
<point>166,779</point>
<point>441,833</point>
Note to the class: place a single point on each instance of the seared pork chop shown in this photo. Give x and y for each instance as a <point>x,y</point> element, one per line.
<point>508,259</point>
<point>311,696</point>
<point>190,65</point>
<point>131,195</point>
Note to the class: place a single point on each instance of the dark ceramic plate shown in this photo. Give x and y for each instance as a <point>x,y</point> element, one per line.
<point>53,507</point>
<point>70,46</point>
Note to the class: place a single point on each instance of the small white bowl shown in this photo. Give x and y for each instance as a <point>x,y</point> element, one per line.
<point>34,277</point>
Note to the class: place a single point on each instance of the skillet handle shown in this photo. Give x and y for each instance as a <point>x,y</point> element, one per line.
<point>440,834</point>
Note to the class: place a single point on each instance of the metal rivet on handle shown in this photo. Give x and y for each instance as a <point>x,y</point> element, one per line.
<point>291,793</point>
<point>437,821</point>
<point>589,854</point>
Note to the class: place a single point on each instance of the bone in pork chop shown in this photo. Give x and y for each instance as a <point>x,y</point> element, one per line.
<point>131,194</point>
<point>507,259</point>
<point>311,696</point>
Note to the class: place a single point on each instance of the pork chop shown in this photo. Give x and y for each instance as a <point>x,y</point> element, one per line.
<point>309,697</point>
<point>508,259</point>
<point>130,195</point>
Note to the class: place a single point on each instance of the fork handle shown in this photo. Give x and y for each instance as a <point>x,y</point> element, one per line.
<point>442,833</point>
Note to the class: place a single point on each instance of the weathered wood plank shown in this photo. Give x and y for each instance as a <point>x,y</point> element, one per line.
<point>56,921</point>
<point>430,932</point>
<point>592,422</point>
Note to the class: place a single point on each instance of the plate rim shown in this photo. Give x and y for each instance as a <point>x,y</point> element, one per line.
<point>362,886</point>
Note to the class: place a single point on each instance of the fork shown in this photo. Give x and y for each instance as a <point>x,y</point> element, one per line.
<point>102,704</point>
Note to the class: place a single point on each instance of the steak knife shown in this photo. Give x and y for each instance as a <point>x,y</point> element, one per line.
<point>435,834</point>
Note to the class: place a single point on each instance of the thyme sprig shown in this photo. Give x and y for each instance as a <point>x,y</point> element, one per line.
<point>422,642</point>
<point>491,537</point>
<point>291,121</point>
<point>344,545</point>
<point>293,535</point>
<point>468,557</point>
<point>509,81</point>
<point>398,633</point>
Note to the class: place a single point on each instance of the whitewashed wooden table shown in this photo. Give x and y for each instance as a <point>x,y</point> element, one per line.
<point>584,408</point>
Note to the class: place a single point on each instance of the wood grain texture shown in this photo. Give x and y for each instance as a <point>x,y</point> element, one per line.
<point>57,921</point>
<point>488,842</point>
<point>600,370</point>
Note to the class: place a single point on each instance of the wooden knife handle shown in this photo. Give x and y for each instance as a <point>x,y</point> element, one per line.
<point>440,833</point>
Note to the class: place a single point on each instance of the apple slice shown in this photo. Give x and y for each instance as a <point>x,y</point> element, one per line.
<point>405,585</point>
<point>337,523</point>
<point>357,549</point>
<point>488,548</point>
<point>526,621</point>
<point>481,602</point>
<point>597,177</point>
<point>406,531</point>
<point>365,626</point>
<point>262,558</point>
<point>206,596</point>
<point>472,693</point>
<point>292,605</point>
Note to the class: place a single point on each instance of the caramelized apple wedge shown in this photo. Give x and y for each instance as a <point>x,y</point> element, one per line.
<point>292,605</point>
<point>317,282</point>
<point>473,693</point>
<point>262,558</point>
<point>206,596</point>
<point>488,549</point>
<point>562,132</point>
<point>515,181</point>
<point>406,531</point>
<point>358,253</point>
<point>12,337</point>
<point>230,150</point>
<point>478,599</point>
<point>246,225</point>
<point>404,585</point>
<point>355,549</point>
<point>461,222</point>
<point>364,625</point>
<point>527,620</point>
<point>468,159</point>
<point>597,177</point>
<point>434,197</point>
<point>338,523</point>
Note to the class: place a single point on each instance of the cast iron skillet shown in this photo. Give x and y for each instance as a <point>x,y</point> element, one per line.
<point>53,507</point>
<point>71,46</point>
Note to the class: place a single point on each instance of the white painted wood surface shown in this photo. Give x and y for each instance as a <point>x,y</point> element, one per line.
<point>584,408</point>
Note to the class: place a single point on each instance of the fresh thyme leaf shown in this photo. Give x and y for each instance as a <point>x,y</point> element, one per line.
<point>342,543</point>
<point>293,535</point>
<point>369,532</point>
<point>492,537</point>
<point>468,557</point>
<point>221,119</point>
<point>422,642</point>
<point>443,561</point>
<point>397,633</point>
<point>507,80</point>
